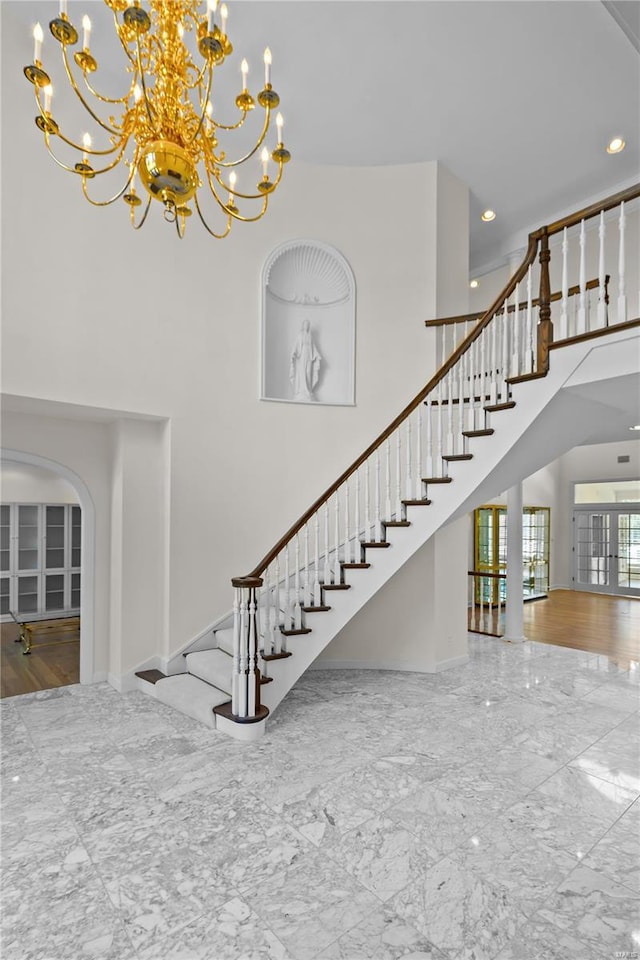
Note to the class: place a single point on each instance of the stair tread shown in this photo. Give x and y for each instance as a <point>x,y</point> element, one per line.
<point>523,377</point>
<point>320,608</point>
<point>374,543</point>
<point>436,479</point>
<point>495,407</point>
<point>396,523</point>
<point>274,656</point>
<point>346,565</point>
<point>213,666</point>
<point>335,586</point>
<point>151,676</point>
<point>479,433</point>
<point>416,503</point>
<point>192,696</point>
<point>296,632</point>
<point>450,457</point>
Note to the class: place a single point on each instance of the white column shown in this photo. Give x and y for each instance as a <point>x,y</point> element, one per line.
<point>513,618</point>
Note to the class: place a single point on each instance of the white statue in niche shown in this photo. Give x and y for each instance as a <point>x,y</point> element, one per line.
<point>304,369</point>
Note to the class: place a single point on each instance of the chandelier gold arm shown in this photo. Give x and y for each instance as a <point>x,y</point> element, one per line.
<point>251,153</point>
<point>123,44</point>
<point>203,108</point>
<point>76,146</point>
<point>136,226</point>
<point>64,166</point>
<point>84,103</point>
<point>231,126</point>
<point>106,203</point>
<point>103,99</point>
<point>218,236</point>
<point>243,196</point>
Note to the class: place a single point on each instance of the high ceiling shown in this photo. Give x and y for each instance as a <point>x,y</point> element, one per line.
<point>518,99</point>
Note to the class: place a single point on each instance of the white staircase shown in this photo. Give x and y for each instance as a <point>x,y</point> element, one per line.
<point>506,402</point>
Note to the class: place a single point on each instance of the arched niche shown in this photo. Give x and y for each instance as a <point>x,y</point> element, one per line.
<point>308,325</point>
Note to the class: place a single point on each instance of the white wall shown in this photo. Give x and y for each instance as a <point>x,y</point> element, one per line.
<point>22,483</point>
<point>143,324</point>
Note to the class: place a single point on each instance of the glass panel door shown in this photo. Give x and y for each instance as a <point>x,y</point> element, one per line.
<point>536,522</point>
<point>5,604</point>
<point>76,531</point>
<point>27,594</point>
<point>593,550</point>
<point>5,537</point>
<point>54,591</point>
<point>627,553</point>
<point>75,591</point>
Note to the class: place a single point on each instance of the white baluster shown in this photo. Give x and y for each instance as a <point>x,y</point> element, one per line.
<point>326,576</point>
<point>450,446</point>
<point>347,530</point>
<point>418,467</point>
<point>493,386</point>
<point>367,504</point>
<point>336,537</point>
<point>268,603</point>
<point>473,376</point>
<point>528,367</point>
<point>288,612</point>
<point>356,533</point>
<point>236,682</point>
<point>564,315</point>
<point>515,340</point>
<point>482,382</point>
<point>582,308</point>
<point>253,649</point>
<point>438,462</point>
<point>317,596</point>
<point>408,479</point>
<point>387,499</point>
<point>602,304</point>
<point>504,391</point>
<point>297,607</point>
<point>398,504</point>
<point>277,613</point>
<point>460,367</point>
<point>307,573</point>
<point>622,293</point>
<point>378,524</point>
<point>428,470</point>
<point>243,643</point>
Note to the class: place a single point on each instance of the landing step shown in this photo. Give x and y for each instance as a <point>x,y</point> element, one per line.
<point>396,523</point>
<point>523,377</point>
<point>336,586</point>
<point>295,633</point>
<point>452,457</point>
<point>354,566</point>
<point>191,696</point>
<point>320,608</point>
<point>496,407</point>
<point>436,479</point>
<point>212,666</point>
<point>374,543</point>
<point>415,503</point>
<point>274,656</point>
<point>224,710</point>
<point>479,433</point>
<point>151,676</point>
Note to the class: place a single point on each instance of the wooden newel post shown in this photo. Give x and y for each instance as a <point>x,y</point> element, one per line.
<point>545,326</point>
<point>245,693</point>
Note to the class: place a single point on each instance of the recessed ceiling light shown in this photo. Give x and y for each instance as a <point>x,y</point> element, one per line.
<point>474,284</point>
<point>488,215</point>
<point>616,145</point>
<point>636,427</point>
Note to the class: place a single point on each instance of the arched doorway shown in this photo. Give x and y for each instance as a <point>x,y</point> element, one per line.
<point>87,599</point>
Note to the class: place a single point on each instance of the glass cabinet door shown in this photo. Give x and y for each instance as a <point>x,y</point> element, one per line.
<point>27,594</point>
<point>5,537</point>
<point>76,534</point>
<point>5,602</point>
<point>28,537</point>
<point>54,538</point>
<point>54,591</point>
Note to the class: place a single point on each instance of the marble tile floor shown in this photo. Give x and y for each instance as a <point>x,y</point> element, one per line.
<point>488,813</point>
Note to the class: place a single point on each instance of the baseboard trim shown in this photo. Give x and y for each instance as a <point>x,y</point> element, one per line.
<point>101,676</point>
<point>397,665</point>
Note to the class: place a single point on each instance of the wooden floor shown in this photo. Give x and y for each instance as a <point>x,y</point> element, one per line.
<point>54,660</point>
<point>585,621</point>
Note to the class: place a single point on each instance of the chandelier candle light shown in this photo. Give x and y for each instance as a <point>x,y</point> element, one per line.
<point>166,134</point>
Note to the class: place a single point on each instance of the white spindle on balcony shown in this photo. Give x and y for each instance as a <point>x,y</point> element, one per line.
<point>277,613</point>
<point>622,294</point>
<point>378,517</point>
<point>564,308</point>
<point>397,504</point>
<point>336,537</point>
<point>387,485</point>
<point>418,467</point>
<point>297,602</point>
<point>317,595</point>
<point>602,305</point>
<point>408,479</point>
<point>582,308</point>
<point>347,527</point>
<point>326,576</point>
<point>356,524</point>
<point>515,340</point>
<point>307,571</point>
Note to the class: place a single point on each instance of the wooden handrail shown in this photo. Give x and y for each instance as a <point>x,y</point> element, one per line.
<point>419,398</point>
<point>536,238</point>
<point>572,292</point>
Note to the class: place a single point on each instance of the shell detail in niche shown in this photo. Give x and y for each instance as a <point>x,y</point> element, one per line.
<point>309,274</point>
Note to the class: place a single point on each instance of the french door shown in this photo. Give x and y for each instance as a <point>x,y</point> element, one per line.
<point>606,550</point>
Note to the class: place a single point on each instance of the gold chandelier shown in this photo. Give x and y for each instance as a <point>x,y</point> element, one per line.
<point>165,132</point>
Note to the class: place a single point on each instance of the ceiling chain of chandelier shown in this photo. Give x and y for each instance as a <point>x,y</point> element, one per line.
<point>165,132</point>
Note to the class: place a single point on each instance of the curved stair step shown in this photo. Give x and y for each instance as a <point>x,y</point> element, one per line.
<point>192,696</point>
<point>212,666</point>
